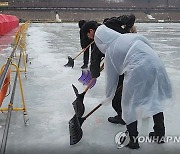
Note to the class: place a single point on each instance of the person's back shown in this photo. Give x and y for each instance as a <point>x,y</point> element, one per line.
<point>121,24</point>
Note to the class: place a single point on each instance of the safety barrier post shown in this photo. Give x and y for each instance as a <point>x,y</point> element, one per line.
<point>22,96</point>
<point>19,40</point>
<point>22,46</point>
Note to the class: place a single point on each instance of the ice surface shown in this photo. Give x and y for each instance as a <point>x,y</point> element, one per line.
<point>49,95</point>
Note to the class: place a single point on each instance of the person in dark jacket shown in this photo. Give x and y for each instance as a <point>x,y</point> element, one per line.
<point>122,24</point>
<point>84,41</point>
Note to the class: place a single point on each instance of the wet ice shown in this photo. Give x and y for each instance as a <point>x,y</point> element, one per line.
<point>49,94</point>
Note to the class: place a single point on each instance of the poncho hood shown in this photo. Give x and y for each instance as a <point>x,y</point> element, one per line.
<point>104,37</point>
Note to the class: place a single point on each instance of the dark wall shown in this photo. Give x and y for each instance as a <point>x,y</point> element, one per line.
<point>93,3</point>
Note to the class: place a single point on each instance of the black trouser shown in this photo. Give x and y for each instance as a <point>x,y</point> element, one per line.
<point>159,128</point>
<point>86,56</point>
<point>116,102</point>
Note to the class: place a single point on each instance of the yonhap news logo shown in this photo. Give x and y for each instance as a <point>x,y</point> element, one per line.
<point>122,139</point>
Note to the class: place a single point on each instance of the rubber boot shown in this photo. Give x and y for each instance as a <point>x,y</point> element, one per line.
<point>133,134</point>
<point>159,129</point>
<point>133,143</point>
<point>157,137</point>
<point>117,120</point>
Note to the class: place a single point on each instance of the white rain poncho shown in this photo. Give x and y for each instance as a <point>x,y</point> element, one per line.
<point>146,84</point>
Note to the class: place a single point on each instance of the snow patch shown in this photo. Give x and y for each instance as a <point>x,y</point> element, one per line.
<point>150,17</point>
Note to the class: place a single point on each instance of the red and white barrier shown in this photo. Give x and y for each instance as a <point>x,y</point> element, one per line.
<point>7,23</point>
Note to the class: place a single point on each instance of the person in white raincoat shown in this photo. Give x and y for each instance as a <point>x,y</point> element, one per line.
<point>146,84</point>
